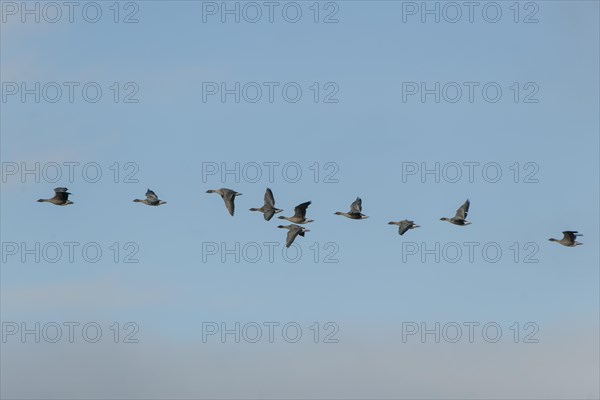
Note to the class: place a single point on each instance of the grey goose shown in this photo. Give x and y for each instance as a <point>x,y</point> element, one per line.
<point>404,226</point>
<point>61,197</point>
<point>228,196</point>
<point>299,216</point>
<point>151,199</point>
<point>569,239</point>
<point>293,232</point>
<point>355,210</point>
<point>268,209</point>
<point>461,215</point>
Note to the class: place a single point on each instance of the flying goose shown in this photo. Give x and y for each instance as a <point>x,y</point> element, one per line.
<point>569,239</point>
<point>228,196</point>
<point>268,209</point>
<point>151,199</point>
<point>293,232</point>
<point>61,197</point>
<point>461,215</point>
<point>404,226</point>
<point>355,210</point>
<point>299,214</point>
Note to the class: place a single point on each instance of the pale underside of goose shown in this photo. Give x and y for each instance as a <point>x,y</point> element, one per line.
<point>228,196</point>
<point>355,210</point>
<point>569,239</point>
<point>61,197</point>
<point>151,199</point>
<point>461,215</point>
<point>404,226</point>
<point>268,209</point>
<point>299,214</point>
<point>293,232</point>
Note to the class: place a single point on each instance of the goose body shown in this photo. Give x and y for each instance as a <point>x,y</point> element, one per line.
<point>293,232</point>
<point>404,226</point>
<point>299,216</point>
<point>228,196</point>
<point>461,215</point>
<point>61,197</point>
<point>151,199</point>
<point>268,209</point>
<point>355,210</point>
<point>569,239</point>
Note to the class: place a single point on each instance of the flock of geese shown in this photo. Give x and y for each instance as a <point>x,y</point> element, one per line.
<point>268,209</point>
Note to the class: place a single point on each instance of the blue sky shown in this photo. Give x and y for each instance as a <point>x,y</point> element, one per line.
<point>368,134</point>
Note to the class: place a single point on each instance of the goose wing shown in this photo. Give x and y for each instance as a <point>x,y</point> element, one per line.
<point>268,213</point>
<point>269,199</point>
<point>228,198</point>
<point>151,196</point>
<point>292,234</point>
<point>462,212</point>
<point>404,226</point>
<point>570,235</point>
<point>62,196</point>
<point>300,210</point>
<point>356,206</point>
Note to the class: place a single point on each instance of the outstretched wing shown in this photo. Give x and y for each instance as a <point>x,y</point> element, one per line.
<point>300,210</point>
<point>291,235</point>
<point>151,196</point>
<point>62,196</point>
<point>269,199</point>
<point>404,226</point>
<point>60,189</point>
<point>462,212</point>
<point>356,206</point>
<point>228,198</point>
<point>268,213</point>
<point>570,235</point>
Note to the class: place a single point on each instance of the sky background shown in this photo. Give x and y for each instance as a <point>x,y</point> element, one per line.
<point>368,134</point>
